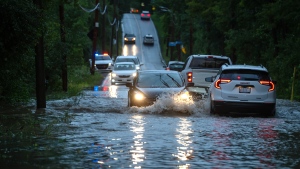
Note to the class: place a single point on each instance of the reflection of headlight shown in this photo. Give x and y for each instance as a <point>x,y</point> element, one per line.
<point>133,74</point>
<point>139,96</point>
<point>113,75</point>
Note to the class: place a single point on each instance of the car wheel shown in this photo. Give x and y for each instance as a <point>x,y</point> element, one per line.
<point>211,111</point>
<point>130,103</point>
<point>272,113</point>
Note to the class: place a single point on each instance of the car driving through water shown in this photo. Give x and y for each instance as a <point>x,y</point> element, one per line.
<point>123,72</point>
<point>149,85</point>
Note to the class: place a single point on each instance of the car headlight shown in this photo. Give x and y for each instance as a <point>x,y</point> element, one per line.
<point>133,74</point>
<point>185,95</point>
<point>133,38</point>
<point>139,96</point>
<point>125,39</point>
<point>113,75</point>
<point>137,67</point>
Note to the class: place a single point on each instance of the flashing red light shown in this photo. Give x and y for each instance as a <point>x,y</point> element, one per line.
<point>221,81</point>
<point>268,83</point>
<point>105,54</point>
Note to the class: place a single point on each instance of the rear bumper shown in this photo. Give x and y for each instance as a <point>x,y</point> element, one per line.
<point>243,107</point>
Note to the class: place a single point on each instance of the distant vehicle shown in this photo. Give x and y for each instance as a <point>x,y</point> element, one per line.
<point>123,72</point>
<point>133,59</point>
<point>134,10</point>
<point>198,67</point>
<point>148,39</point>
<point>103,62</point>
<point>148,85</point>
<point>145,15</point>
<point>175,65</point>
<point>242,89</point>
<point>129,38</point>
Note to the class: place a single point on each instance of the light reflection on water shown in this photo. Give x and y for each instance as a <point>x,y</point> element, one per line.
<point>185,151</point>
<point>130,50</point>
<point>137,150</point>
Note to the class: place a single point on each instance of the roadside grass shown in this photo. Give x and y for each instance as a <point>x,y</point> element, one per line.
<point>79,78</point>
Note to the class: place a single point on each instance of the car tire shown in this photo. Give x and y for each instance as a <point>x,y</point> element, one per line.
<point>211,111</point>
<point>130,103</point>
<point>272,113</point>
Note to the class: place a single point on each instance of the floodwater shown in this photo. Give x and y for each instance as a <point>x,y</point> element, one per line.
<point>98,130</point>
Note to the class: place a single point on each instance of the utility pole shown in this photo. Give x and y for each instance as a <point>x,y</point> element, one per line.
<point>95,39</point>
<point>112,31</point>
<point>103,27</point>
<point>40,67</point>
<point>64,72</point>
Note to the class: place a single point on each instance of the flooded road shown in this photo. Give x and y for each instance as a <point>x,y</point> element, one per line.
<point>98,130</point>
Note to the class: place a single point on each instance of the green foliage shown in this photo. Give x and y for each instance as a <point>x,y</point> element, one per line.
<point>79,79</point>
<point>19,31</point>
<point>251,32</point>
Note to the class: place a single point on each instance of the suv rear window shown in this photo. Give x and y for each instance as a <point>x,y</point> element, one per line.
<point>244,74</point>
<point>216,63</point>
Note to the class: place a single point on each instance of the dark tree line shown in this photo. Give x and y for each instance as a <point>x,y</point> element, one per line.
<point>253,32</point>
<point>63,26</point>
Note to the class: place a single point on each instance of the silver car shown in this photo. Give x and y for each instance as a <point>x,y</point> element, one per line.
<point>130,58</point>
<point>123,72</point>
<point>242,89</point>
<point>148,40</point>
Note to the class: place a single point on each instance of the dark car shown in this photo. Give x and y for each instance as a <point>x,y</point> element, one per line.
<point>175,65</point>
<point>148,85</point>
<point>145,15</point>
<point>129,38</point>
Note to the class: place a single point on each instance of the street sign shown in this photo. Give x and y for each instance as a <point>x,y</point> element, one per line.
<point>172,43</point>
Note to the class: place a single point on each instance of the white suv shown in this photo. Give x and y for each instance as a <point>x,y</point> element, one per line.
<point>242,89</point>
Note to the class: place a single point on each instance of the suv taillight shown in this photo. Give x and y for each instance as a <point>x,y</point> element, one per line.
<point>219,81</point>
<point>268,83</point>
<point>189,76</point>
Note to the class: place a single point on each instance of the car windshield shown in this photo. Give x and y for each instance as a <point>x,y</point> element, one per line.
<point>124,67</point>
<point>176,66</point>
<point>135,61</point>
<point>208,63</point>
<point>249,75</point>
<point>159,80</point>
<point>101,57</point>
<point>129,35</point>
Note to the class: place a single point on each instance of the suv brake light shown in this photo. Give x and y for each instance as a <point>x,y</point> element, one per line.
<point>268,83</point>
<point>221,81</point>
<point>189,76</point>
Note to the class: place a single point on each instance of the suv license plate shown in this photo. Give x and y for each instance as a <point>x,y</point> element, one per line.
<point>245,89</point>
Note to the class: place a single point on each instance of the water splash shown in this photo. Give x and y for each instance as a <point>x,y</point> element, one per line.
<point>169,103</point>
